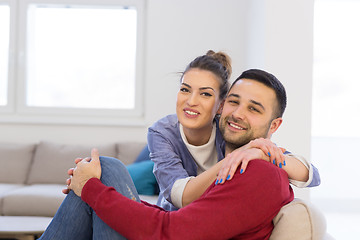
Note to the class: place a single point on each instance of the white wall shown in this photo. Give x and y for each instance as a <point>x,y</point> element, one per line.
<point>176,32</point>
<point>275,35</point>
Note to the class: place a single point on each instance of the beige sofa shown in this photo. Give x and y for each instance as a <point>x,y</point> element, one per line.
<point>32,177</point>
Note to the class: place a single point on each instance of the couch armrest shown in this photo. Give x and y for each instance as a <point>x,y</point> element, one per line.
<point>299,220</point>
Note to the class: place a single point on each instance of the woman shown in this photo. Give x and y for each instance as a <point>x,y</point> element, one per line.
<point>186,147</point>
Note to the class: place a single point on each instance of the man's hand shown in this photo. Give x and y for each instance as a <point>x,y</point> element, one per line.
<point>70,173</point>
<point>84,171</point>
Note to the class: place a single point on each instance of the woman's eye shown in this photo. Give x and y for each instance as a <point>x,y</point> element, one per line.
<point>184,90</point>
<point>206,94</point>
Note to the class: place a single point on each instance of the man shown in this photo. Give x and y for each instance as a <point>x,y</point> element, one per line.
<point>242,208</point>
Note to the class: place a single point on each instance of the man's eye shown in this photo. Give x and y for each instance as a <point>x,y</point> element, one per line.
<point>233,102</point>
<point>254,109</point>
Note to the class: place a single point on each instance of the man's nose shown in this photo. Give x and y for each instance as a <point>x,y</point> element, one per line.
<point>239,113</point>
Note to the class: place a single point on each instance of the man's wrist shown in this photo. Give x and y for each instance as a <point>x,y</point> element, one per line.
<point>88,187</point>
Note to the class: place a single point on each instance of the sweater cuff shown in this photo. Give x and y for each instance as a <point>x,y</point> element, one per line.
<point>91,190</point>
<point>308,165</point>
<point>178,190</point>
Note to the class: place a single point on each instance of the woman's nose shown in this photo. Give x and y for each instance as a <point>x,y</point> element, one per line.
<point>192,100</point>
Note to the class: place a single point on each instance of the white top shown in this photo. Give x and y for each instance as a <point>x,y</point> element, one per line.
<point>205,157</point>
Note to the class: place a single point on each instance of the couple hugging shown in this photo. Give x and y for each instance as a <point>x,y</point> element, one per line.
<point>219,174</point>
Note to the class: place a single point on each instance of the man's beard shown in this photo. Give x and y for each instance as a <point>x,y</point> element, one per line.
<point>235,141</point>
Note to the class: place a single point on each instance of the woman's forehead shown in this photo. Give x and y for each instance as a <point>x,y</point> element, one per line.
<point>200,78</point>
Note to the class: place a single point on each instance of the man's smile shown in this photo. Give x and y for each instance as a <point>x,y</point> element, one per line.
<point>235,126</point>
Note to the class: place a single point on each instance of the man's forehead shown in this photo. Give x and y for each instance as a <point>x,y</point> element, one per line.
<point>246,85</point>
<point>253,91</point>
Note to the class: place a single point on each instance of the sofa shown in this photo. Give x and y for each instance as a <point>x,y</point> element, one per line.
<point>33,175</point>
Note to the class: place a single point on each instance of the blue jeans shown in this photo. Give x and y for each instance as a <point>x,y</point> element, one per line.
<point>76,220</point>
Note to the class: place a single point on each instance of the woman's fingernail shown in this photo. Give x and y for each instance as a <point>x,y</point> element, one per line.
<point>284,163</point>
<point>228,177</point>
<point>269,154</point>
<point>220,180</point>
<point>216,181</point>
<point>241,171</point>
<point>280,165</point>
<point>274,161</point>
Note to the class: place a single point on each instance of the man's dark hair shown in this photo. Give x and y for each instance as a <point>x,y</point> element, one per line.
<point>272,82</point>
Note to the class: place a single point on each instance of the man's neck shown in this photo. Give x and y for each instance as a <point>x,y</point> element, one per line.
<point>229,148</point>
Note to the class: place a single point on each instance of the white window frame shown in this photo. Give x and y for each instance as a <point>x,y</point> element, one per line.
<point>9,107</point>
<point>17,109</point>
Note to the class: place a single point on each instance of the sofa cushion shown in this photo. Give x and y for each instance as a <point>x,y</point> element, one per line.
<point>143,177</point>
<point>6,188</point>
<point>144,155</point>
<point>127,152</point>
<point>15,162</point>
<point>52,160</point>
<point>34,200</point>
<point>299,220</point>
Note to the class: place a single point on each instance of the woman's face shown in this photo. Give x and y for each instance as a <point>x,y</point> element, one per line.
<point>198,99</point>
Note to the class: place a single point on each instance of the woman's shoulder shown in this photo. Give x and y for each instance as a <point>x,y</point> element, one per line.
<point>165,130</point>
<point>170,122</point>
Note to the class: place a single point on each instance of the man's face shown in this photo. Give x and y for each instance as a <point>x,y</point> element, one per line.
<point>248,113</point>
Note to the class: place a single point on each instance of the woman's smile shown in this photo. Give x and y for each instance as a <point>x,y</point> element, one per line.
<point>191,113</point>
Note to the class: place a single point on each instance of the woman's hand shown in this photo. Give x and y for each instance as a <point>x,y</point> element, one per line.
<point>256,149</point>
<point>234,159</point>
<point>270,149</point>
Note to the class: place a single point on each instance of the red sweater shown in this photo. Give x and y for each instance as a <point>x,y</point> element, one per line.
<point>242,208</point>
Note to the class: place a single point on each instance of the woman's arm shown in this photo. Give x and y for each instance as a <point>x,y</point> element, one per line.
<point>301,173</point>
<point>295,169</point>
<point>198,185</point>
<point>313,179</point>
<point>168,164</point>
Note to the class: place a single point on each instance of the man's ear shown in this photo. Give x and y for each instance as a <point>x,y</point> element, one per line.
<point>275,124</point>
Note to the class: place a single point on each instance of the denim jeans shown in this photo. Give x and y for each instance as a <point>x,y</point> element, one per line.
<point>76,220</point>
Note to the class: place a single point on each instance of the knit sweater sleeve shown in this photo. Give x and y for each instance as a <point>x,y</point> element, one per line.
<point>241,208</point>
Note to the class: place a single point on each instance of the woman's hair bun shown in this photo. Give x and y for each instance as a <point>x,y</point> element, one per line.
<point>223,58</point>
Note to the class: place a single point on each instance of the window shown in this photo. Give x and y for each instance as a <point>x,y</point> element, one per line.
<point>77,59</point>
<point>4,52</point>
<point>81,57</point>
<point>336,116</point>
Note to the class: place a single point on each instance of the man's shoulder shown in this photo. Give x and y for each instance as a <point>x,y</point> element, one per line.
<point>263,175</point>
